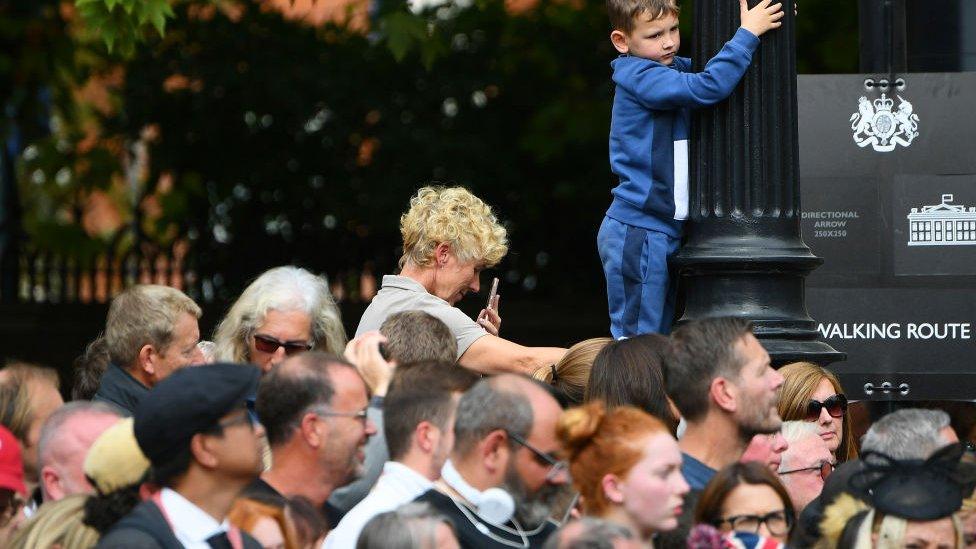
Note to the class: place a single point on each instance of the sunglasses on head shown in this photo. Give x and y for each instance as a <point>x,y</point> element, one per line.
<point>268,344</point>
<point>836,406</point>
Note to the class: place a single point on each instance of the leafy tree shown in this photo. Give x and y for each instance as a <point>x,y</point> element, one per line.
<point>269,141</point>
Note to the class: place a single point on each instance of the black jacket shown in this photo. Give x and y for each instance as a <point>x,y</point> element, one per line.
<point>146,528</point>
<point>118,387</point>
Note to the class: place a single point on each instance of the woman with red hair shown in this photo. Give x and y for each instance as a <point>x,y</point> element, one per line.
<point>626,466</point>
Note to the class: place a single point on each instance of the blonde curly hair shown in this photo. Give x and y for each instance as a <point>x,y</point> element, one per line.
<point>454,216</point>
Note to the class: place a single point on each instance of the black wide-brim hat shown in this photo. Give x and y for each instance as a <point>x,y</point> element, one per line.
<point>915,489</point>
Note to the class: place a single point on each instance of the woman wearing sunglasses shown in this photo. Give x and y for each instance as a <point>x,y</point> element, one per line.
<point>812,393</point>
<point>286,310</point>
<point>626,466</point>
<point>747,497</point>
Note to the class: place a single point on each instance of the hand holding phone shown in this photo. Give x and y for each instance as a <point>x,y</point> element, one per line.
<point>488,318</point>
<point>492,295</point>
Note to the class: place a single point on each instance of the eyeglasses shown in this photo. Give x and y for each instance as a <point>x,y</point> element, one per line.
<point>268,344</point>
<point>779,523</point>
<point>249,416</point>
<point>556,467</point>
<point>361,415</point>
<point>836,406</point>
<point>824,467</point>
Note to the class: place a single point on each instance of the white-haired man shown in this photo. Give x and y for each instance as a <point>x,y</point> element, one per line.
<point>806,463</point>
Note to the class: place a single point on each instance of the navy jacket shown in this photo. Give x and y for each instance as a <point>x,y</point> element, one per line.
<point>118,387</point>
<point>649,130</point>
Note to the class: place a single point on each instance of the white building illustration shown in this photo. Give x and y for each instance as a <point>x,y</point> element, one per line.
<point>943,224</point>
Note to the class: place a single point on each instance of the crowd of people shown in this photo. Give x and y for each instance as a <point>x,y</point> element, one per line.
<point>428,429</point>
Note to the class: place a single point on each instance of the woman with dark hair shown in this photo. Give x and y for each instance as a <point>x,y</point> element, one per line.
<point>629,372</point>
<point>813,393</point>
<point>747,497</point>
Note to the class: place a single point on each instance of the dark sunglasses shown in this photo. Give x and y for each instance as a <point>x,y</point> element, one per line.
<point>268,344</point>
<point>824,468</point>
<point>836,406</point>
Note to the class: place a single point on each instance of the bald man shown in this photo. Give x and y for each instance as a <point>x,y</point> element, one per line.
<point>65,439</point>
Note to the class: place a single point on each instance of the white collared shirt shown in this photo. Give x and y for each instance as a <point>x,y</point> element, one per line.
<point>397,485</point>
<point>191,524</point>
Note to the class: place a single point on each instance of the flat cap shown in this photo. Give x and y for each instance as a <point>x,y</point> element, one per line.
<point>190,401</point>
<point>115,461</point>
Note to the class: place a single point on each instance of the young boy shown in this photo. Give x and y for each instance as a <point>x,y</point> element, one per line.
<point>649,149</point>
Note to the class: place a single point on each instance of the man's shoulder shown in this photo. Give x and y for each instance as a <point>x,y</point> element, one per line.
<point>437,499</point>
<point>261,490</point>
<point>474,532</point>
<point>347,531</point>
<point>144,526</point>
<point>695,472</point>
<point>119,388</point>
<point>126,538</point>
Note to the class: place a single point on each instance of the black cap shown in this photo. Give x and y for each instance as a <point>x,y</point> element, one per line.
<point>914,489</point>
<point>190,401</point>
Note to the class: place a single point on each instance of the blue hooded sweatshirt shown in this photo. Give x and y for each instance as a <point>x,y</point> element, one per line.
<point>649,130</point>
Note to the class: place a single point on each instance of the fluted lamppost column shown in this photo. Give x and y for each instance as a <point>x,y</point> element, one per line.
<point>743,255</point>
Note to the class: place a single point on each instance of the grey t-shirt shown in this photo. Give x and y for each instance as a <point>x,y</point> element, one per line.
<point>399,293</point>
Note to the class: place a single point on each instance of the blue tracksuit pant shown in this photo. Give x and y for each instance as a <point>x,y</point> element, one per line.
<point>640,289</point>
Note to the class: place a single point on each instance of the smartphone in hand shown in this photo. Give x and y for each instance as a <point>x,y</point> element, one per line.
<point>492,294</point>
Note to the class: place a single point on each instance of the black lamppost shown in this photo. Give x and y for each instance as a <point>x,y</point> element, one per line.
<point>743,255</point>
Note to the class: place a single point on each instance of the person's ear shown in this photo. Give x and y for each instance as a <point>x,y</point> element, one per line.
<point>312,436</point>
<point>724,393</point>
<point>145,359</point>
<point>200,450</point>
<point>619,40</point>
<point>495,451</point>
<point>426,435</point>
<point>51,484</point>
<point>442,253</point>
<point>612,487</point>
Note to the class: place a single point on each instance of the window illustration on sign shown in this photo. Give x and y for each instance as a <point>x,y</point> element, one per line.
<point>942,224</point>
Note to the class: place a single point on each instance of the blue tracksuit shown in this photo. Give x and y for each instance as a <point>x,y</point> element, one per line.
<point>649,155</point>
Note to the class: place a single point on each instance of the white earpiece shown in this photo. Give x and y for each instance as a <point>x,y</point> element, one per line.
<point>494,504</point>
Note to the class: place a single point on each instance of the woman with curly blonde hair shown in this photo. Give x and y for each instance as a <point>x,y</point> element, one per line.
<point>449,237</point>
<point>813,393</point>
<point>285,311</point>
<point>626,466</point>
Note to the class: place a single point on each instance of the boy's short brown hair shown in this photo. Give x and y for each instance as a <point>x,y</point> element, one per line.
<point>623,12</point>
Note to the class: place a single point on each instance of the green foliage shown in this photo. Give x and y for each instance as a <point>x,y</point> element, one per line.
<point>123,23</point>
<point>292,144</point>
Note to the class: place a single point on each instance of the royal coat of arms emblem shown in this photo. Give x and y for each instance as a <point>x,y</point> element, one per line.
<point>881,127</point>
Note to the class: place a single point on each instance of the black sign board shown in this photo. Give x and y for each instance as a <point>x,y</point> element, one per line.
<point>889,201</point>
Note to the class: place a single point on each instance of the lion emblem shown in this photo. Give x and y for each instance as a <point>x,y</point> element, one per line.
<point>877,125</point>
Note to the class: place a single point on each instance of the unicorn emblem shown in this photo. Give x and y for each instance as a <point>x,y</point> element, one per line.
<point>876,124</point>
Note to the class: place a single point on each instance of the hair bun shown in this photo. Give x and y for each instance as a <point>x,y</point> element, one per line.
<point>578,426</point>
